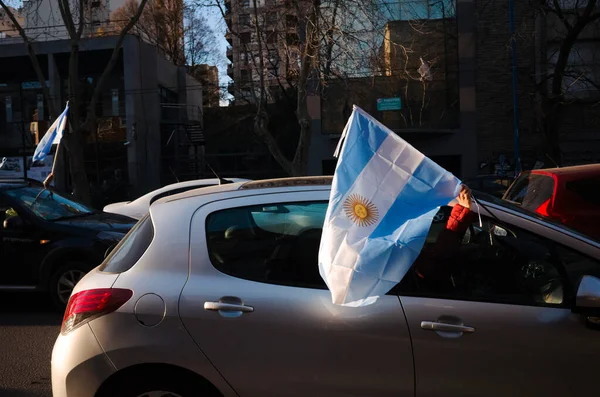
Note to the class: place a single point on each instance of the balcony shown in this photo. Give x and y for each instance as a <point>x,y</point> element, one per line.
<point>230,70</point>
<point>229,54</point>
<point>231,88</point>
<point>229,37</point>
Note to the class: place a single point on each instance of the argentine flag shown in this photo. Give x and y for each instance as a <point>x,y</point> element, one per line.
<point>383,198</point>
<point>52,137</point>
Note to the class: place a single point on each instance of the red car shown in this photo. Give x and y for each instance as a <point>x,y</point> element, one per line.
<point>570,195</point>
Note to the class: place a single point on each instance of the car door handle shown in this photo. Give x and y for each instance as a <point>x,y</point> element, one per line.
<point>445,327</point>
<point>227,307</point>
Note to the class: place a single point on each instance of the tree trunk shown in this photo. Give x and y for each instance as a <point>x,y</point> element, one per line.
<point>79,180</point>
<point>76,139</point>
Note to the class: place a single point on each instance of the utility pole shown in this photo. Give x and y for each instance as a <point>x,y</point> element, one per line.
<point>517,154</point>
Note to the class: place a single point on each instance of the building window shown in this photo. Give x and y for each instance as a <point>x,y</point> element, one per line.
<point>292,39</point>
<point>406,10</point>
<point>291,21</point>
<point>245,3</point>
<point>245,38</point>
<point>245,19</point>
<point>271,18</point>
<point>245,75</point>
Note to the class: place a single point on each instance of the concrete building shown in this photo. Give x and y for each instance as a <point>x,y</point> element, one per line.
<point>7,29</point>
<point>208,76</point>
<point>462,116</point>
<point>278,32</point>
<point>150,113</point>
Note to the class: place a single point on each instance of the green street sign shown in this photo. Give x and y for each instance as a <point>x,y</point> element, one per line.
<point>389,104</point>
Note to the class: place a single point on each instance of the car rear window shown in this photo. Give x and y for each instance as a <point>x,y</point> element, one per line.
<point>530,191</point>
<point>131,248</point>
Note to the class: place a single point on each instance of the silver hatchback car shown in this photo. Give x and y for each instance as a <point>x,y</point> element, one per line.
<point>217,293</point>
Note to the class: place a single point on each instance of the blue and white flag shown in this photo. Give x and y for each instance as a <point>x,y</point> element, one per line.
<point>52,137</point>
<point>384,196</point>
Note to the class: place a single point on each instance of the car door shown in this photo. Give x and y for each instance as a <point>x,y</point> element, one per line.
<point>258,309</point>
<point>505,328</point>
<point>20,246</point>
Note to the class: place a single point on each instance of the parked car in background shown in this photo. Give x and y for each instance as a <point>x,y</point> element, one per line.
<point>570,195</point>
<point>48,242</point>
<point>139,207</point>
<point>217,292</point>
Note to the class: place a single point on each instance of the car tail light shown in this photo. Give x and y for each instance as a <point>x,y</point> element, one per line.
<point>87,305</point>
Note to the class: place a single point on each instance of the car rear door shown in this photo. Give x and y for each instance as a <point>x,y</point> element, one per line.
<point>258,309</point>
<point>509,329</point>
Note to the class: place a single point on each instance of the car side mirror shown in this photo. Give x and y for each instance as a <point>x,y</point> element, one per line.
<point>13,222</point>
<point>587,300</point>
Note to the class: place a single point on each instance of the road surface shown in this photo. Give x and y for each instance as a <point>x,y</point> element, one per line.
<point>28,329</point>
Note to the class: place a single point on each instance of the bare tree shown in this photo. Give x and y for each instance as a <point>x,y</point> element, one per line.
<point>568,75</point>
<point>82,116</point>
<point>291,55</point>
<point>161,24</point>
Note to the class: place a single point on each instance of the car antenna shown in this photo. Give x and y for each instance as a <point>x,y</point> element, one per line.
<point>222,181</point>
<point>553,162</point>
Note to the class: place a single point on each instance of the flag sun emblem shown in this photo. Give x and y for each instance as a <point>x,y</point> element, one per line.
<point>360,210</point>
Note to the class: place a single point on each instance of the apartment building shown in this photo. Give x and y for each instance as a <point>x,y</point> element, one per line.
<point>269,49</point>
<point>7,29</point>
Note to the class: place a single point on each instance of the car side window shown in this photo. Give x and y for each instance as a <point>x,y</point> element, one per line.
<point>271,243</point>
<point>489,262</point>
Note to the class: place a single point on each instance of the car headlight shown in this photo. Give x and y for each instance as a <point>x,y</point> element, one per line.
<point>110,236</point>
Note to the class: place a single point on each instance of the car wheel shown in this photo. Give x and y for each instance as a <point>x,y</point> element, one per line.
<point>64,280</point>
<point>165,387</point>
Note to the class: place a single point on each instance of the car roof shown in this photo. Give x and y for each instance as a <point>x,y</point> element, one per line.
<point>577,170</point>
<point>279,184</point>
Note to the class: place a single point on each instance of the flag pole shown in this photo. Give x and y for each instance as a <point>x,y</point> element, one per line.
<point>50,176</point>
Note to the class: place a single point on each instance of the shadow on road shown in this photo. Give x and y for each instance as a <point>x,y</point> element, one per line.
<point>9,392</point>
<point>24,308</point>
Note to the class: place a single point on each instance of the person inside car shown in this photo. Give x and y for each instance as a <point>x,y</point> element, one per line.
<point>434,266</point>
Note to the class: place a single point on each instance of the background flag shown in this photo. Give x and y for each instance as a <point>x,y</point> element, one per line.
<point>52,137</point>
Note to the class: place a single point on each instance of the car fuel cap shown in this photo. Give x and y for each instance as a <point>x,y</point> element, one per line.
<point>150,310</point>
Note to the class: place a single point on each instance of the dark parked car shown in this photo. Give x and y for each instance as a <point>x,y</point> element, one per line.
<point>48,241</point>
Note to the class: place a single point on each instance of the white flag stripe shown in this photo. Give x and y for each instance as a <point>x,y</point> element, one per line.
<point>61,129</point>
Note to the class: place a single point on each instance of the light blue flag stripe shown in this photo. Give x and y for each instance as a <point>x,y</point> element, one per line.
<point>52,136</point>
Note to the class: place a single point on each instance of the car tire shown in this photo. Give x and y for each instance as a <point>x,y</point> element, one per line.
<point>159,385</point>
<point>63,280</point>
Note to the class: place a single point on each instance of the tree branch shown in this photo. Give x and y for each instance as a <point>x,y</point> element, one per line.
<point>91,114</point>
<point>67,17</point>
<point>33,57</point>
<point>558,11</point>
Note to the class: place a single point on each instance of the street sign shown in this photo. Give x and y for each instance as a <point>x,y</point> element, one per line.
<point>389,104</point>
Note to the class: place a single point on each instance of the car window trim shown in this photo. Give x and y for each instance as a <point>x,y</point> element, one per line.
<point>541,222</point>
